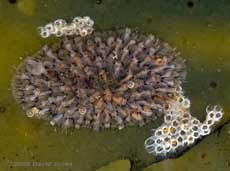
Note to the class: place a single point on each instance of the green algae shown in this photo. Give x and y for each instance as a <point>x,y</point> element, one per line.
<point>119,165</point>
<point>202,35</point>
<point>27,7</point>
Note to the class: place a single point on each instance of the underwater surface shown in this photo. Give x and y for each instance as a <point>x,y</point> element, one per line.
<point>199,29</point>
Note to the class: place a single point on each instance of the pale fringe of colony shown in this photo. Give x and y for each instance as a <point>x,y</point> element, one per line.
<point>80,26</point>
<point>180,129</point>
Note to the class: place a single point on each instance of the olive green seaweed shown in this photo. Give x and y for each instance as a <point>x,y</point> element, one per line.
<point>200,31</point>
<point>119,165</point>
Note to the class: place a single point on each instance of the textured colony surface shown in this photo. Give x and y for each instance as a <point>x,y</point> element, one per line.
<point>108,79</point>
<point>80,26</point>
<point>180,129</point>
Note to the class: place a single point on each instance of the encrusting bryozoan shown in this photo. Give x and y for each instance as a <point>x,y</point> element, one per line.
<point>108,79</point>
<point>180,129</point>
<point>80,26</point>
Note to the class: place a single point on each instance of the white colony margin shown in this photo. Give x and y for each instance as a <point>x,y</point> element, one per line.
<point>180,129</point>
<point>80,26</point>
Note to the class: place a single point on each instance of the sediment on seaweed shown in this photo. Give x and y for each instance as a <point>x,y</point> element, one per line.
<point>109,78</point>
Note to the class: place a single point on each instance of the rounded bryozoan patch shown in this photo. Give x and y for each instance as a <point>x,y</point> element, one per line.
<point>108,79</point>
